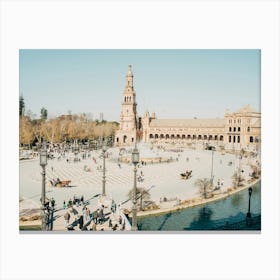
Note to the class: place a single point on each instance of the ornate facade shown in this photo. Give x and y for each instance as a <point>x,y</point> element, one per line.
<point>241,129</point>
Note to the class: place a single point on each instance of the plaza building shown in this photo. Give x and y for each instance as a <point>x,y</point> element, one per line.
<point>237,130</point>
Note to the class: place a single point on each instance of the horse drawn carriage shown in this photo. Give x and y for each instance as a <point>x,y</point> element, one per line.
<point>60,184</point>
<point>187,175</point>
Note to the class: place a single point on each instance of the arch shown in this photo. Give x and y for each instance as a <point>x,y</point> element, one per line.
<point>194,136</point>
<point>216,137</point>
<point>183,136</point>
<point>132,139</point>
<point>172,136</point>
<point>199,137</point>
<point>125,99</point>
<point>117,140</point>
<point>161,136</point>
<point>124,138</point>
<point>151,136</point>
<point>189,137</point>
<point>167,136</point>
<point>178,136</point>
<point>238,139</point>
<point>234,129</point>
<point>238,129</point>
<point>210,137</point>
<point>229,129</point>
<point>221,137</point>
<point>205,137</point>
<point>156,136</point>
<point>234,138</point>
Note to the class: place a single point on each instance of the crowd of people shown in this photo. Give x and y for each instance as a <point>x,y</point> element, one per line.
<point>78,212</point>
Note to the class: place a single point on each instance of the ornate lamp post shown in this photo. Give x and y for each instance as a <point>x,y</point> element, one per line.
<point>212,150</point>
<point>43,163</point>
<point>250,190</point>
<point>135,161</point>
<point>104,149</point>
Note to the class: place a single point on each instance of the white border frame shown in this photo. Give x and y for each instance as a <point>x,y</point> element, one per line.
<point>155,24</point>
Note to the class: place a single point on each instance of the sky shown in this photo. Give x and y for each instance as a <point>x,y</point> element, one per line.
<point>174,84</point>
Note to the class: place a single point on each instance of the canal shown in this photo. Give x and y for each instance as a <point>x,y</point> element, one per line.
<point>227,214</point>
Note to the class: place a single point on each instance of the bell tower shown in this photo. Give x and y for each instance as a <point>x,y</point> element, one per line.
<point>127,132</point>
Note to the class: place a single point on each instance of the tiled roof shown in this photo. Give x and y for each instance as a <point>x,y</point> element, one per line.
<point>187,123</point>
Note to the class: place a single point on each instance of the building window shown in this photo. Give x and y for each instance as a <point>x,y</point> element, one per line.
<point>230,129</point>
<point>229,139</point>
<point>251,139</point>
<point>248,129</point>
<point>221,138</point>
<point>238,129</point>
<point>234,139</point>
<point>238,139</point>
<point>117,139</point>
<point>216,137</point>
<point>234,129</point>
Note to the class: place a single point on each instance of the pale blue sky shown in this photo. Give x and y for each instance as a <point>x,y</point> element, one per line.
<point>173,83</point>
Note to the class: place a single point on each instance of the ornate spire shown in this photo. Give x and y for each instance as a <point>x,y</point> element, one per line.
<point>129,72</point>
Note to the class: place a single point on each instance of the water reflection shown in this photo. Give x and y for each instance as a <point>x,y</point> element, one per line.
<point>229,213</point>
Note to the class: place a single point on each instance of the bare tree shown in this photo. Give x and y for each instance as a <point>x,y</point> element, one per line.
<point>205,187</point>
<point>142,194</point>
<point>237,179</point>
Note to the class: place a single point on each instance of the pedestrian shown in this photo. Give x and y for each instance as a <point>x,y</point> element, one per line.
<point>52,202</point>
<point>64,205</point>
<point>100,215</point>
<point>115,227</point>
<point>95,215</point>
<point>110,223</point>
<point>123,226</point>
<point>120,219</point>
<point>67,218</point>
<point>81,221</point>
<point>82,199</point>
<point>93,226</point>
<point>87,214</point>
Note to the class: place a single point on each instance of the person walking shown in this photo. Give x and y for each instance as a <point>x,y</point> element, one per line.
<point>95,216</point>
<point>93,228</point>
<point>64,205</point>
<point>81,222</point>
<point>52,203</point>
<point>87,214</point>
<point>67,218</point>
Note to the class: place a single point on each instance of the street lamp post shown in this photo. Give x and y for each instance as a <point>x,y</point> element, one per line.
<point>104,170</point>
<point>250,190</point>
<point>43,163</point>
<point>212,149</point>
<point>135,161</point>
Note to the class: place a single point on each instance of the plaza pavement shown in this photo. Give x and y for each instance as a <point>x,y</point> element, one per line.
<point>164,177</point>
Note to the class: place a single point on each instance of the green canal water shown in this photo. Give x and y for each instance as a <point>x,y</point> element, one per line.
<point>229,213</point>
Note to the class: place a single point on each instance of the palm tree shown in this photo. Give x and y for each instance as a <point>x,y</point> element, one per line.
<point>205,187</point>
<point>141,193</point>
